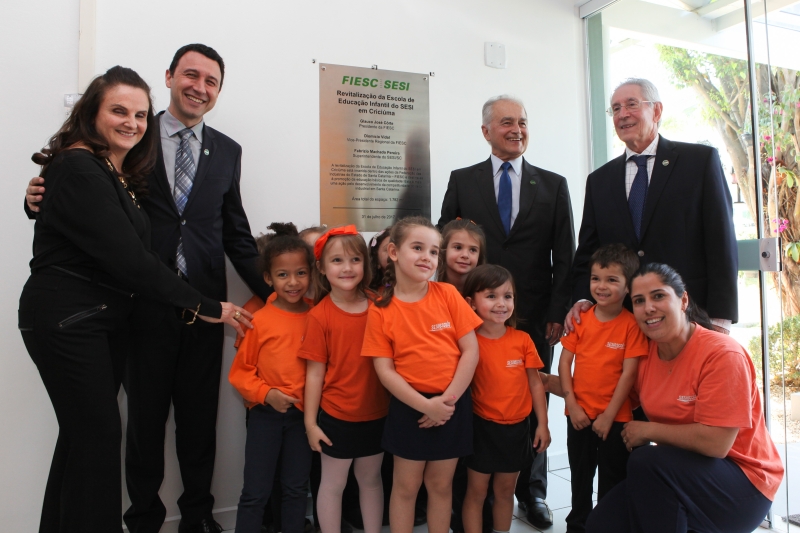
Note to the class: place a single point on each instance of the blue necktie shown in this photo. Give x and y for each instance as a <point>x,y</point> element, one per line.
<point>504,197</point>
<point>184,178</point>
<point>638,194</point>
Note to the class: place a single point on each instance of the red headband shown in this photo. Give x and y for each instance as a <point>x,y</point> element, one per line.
<point>320,244</point>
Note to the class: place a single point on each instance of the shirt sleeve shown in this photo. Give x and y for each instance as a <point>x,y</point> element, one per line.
<point>570,341</point>
<point>532,359</point>
<point>314,347</point>
<point>244,370</point>
<point>723,391</point>
<point>636,345</point>
<point>376,343</point>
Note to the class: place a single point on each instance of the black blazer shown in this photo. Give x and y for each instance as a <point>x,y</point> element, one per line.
<point>213,222</point>
<point>687,223</point>
<point>539,249</point>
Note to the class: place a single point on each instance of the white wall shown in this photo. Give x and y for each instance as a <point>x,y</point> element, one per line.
<point>269,104</point>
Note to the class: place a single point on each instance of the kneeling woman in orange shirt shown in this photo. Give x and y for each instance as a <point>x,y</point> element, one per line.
<point>715,467</point>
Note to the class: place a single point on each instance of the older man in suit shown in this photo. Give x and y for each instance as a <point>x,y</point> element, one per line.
<point>526,214</point>
<point>197,218</point>
<point>666,200</point>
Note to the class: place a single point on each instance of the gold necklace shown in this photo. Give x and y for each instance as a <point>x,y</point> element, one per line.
<point>124,183</point>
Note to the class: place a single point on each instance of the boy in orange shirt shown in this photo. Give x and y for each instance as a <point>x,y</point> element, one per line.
<point>605,347</point>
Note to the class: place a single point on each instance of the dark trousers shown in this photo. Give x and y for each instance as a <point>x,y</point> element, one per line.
<point>587,452</point>
<point>270,435</point>
<point>76,334</point>
<point>532,481</point>
<point>671,490</point>
<point>171,362</point>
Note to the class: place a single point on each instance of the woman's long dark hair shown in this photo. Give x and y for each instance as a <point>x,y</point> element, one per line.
<point>80,128</point>
<point>668,276</point>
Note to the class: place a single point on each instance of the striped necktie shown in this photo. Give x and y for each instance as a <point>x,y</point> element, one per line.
<point>184,178</point>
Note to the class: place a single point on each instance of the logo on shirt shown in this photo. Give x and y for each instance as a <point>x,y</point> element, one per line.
<point>443,325</point>
<point>687,399</point>
<point>615,345</point>
<point>511,363</point>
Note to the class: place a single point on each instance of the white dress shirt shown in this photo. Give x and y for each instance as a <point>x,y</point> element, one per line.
<point>515,173</point>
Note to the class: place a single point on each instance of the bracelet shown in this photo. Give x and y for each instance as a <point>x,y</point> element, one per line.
<point>193,311</point>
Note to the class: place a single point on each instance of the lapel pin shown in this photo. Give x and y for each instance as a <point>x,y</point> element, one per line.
<point>665,163</point>
<point>206,151</point>
<point>533,182</point>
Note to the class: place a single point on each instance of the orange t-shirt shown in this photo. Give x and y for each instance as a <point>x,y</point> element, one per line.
<point>253,304</point>
<point>267,357</point>
<point>600,348</point>
<point>422,337</point>
<point>351,390</point>
<point>500,389</point>
<point>713,382</point>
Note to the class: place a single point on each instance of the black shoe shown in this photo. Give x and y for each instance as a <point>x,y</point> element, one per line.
<point>206,525</point>
<point>420,516</point>
<point>523,505</point>
<point>346,527</point>
<point>538,513</point>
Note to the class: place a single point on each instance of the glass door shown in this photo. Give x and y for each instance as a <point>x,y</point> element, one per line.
<point>702,56</point>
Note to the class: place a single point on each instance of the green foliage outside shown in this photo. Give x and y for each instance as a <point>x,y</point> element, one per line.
<point>722,83</point>
<point>791,351</point>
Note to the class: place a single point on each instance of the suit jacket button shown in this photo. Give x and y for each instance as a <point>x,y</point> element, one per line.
<point>183,223</point>
<point>640,253</point>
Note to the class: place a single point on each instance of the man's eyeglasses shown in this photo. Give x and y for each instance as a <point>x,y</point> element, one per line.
<point>633,105</point>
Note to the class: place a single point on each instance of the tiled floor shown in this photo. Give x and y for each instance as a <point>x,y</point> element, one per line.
<point>558,498</point>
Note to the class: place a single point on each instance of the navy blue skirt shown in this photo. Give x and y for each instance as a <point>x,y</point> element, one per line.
<point>500,447</point>
<point>350,439</point>
<point>403,437</point>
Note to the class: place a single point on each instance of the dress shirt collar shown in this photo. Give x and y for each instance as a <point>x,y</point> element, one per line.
<point>516,164</point>
<point>650,150</point>
<point>172,126</point>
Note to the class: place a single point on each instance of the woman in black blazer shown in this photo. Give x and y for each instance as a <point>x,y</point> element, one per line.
<point>91,261</point>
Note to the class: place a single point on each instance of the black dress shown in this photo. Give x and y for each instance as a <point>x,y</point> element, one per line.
<point>91,261</point>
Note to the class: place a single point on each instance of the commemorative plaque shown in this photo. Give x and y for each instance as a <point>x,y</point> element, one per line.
<point>374,146</point>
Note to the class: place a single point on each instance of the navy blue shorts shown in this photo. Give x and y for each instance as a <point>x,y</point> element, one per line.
<point>403,437</point>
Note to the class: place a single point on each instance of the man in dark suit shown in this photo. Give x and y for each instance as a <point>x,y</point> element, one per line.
<point>196,212</point>
<point>668,201</point>
<point>526,214</point>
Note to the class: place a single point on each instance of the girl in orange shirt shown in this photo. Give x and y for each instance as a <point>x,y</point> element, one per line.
<point>270,378</point>
<point>463,248</point>
<point>421,336</point>
<point>505,388</point>
<point>345,403</point>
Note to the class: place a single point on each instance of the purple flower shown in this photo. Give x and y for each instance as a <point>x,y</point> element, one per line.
<point>769,160</point>
<point>767,137</point>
